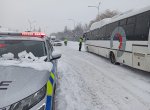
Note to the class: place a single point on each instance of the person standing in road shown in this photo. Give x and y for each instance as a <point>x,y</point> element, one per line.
<point>65,42</point>
<point>80,43</point>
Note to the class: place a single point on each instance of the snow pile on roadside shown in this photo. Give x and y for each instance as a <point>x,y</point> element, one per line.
<point>26,60</point>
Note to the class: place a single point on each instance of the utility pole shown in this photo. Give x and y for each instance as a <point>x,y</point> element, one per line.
<point>97,9</point>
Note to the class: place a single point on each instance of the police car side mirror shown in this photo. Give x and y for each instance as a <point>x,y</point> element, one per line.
<point>55,55</point>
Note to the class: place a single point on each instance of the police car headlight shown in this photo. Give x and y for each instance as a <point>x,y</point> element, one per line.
<point>30,101</point>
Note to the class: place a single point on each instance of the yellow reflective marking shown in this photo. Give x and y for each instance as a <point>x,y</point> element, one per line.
<point>49,88</point>
<point>52,75</point>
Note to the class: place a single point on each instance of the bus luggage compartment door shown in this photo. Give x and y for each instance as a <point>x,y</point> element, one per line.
<point>140,59</point>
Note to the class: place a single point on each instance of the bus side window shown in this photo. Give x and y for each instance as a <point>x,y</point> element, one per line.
<point>97,34</point>
<point>131,20</point>
<point>94,34</point>
<point>142,26</point>
<point>100,33</point>
<point>103,32</point>
<point>112,28</point>
<point>107,32</point>
<point>129,29</point>
<point>128,25</point>
<point>123,22</point>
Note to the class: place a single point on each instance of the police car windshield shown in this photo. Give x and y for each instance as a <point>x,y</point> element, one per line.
<point>17,46</point>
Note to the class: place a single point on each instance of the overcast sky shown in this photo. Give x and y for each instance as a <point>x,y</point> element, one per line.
<point>53,15</point>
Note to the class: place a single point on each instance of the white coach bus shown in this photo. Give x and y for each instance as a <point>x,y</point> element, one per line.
<point>124,39</point>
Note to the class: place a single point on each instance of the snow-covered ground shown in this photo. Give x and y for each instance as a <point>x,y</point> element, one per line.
<point>91,82</point>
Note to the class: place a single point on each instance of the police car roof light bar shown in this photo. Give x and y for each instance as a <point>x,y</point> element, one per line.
<point>33,34</point>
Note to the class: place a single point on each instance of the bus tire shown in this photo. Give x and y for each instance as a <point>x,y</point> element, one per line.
<point>112,58</point>
<point>87,49</point>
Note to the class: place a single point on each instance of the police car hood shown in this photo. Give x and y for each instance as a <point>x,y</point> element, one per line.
<point>17,83</point>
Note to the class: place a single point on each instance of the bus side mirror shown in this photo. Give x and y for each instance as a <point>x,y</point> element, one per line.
<point>55,55</point>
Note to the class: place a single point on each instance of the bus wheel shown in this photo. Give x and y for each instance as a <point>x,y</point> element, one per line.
<point>87,49</point>
<point>112,58</point>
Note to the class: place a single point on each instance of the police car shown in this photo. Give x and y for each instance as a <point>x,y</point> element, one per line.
<point>26,85</point>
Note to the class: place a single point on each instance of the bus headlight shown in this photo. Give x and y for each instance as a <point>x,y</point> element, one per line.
<point>30,101</point>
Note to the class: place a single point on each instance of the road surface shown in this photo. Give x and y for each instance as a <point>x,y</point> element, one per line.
<point>91,82</point>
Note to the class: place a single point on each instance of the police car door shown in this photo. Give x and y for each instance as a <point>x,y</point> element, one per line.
<point>50,51</point>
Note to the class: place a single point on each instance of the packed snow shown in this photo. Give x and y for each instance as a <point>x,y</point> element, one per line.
<point>8,56</point>
<point>26,60</point>
<point>91,82</point>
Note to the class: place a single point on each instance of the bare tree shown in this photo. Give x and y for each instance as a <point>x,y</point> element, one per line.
<point>80,29</point>
<point>86,27</point>
<point>39,30</point>
<point>106,14</point>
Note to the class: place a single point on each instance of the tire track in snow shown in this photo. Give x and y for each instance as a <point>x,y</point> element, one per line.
<point>95,100</point>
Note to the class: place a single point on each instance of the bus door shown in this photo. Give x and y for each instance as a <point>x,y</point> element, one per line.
<point>141,49</point>
<point>140,56</point>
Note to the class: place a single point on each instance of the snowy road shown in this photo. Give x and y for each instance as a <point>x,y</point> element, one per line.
<point>90,82</point>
